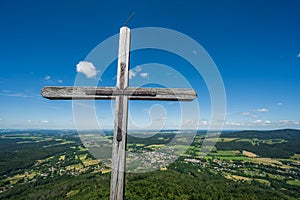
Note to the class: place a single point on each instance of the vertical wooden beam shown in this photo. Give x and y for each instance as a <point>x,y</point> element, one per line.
<point>121,112</point>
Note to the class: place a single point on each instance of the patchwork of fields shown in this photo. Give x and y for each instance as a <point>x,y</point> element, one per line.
<point>272,161</point>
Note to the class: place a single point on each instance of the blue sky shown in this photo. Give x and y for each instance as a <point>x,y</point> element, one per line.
<point>255,45</point>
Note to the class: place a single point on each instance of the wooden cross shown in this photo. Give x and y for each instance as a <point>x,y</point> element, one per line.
<point>121,93</point>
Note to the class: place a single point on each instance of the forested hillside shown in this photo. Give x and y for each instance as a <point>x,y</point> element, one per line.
<point>184,183</point>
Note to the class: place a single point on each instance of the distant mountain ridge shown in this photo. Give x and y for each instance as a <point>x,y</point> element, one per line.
<point>286,134</point>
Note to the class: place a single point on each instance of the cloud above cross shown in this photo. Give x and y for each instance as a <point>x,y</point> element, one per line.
<point>262,110</point>
<point>87,68</point>
<point>255,113</point>
<point>138,71</point>
<point>47,78</point>
<point>144,75</point>
<point>133,72</point>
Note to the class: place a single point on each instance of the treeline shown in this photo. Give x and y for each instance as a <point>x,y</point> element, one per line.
<point>158,138</point>
<point>286,134</point>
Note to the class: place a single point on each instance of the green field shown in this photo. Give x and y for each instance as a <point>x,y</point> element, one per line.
<point>296,156</point>
<point>297,182</point>
<point>225,153</point>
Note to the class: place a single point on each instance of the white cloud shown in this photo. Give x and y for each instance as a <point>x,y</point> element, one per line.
<point>60,81</point>
<point>283,122</point>
<point>288,122</point>
<point>203,123</point>
<point>44,121</point>
<point>295,122</point>
<point>138,69</point>
<point>133,72</point>
<point>144,75</point>
<point>261,122</point>
<point>234,124</point>
<point>264,123</point>
<point>87,68</point>
<point>246,113</point>
<point>191,123</point>
<point>249,114</point>
<point>47,78</point>
<point>262,110</point>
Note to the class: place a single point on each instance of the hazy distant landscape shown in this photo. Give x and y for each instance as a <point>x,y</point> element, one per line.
<point>54,164</point>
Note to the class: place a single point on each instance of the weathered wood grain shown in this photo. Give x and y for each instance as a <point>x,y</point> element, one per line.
<point>85,93</point>
<point>121,111</point>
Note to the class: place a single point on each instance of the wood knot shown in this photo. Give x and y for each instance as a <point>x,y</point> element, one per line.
<point>123,65</point>
<point>119,134</point>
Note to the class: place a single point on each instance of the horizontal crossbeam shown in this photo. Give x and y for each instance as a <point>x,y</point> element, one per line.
<point>85,93</point>
<point>125,92</point>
